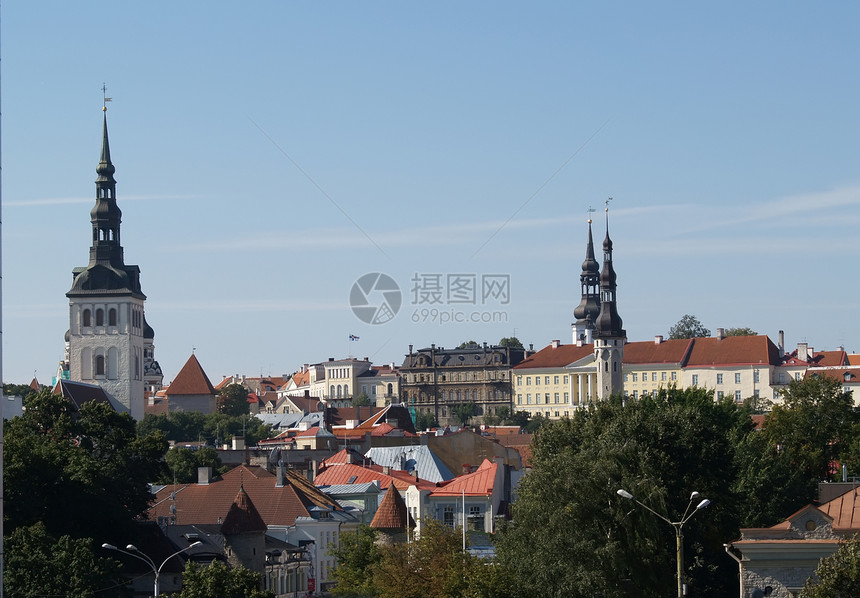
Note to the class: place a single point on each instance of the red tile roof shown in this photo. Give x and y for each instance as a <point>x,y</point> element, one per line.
<point>837,374</point>
<point>733,350</point>
<point>555,357</point>
<point>206,504</point>
<point>242,516</point>
<point>667,351</point>
<point>853,359</point>
<point>392,513</point>
<point>477,483</point>
<point>342,474</point>
<point>845,511</point>
<point>191,380</point>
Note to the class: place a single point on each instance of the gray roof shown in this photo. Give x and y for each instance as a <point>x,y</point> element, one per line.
<point>288,421</point>
<point>347,489</point>
<point>411,458</point>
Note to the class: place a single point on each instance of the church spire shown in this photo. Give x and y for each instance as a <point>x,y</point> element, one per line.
<point>588,310</point>
<point>609,336</point>
<point>106,215</point>
<point>608,322</point>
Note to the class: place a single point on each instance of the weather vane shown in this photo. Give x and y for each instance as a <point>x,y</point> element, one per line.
<point>607,203</point>
<point>105,99</point>
<point>590,212</point>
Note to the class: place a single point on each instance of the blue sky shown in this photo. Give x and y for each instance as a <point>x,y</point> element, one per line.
<point>270,154</point>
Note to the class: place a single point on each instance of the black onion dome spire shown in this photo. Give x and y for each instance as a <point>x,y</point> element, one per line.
<point>107,271</point>
<point>609,323</point>
<point>589,308</point>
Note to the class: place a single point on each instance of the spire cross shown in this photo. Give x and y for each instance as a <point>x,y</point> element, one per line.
<point>105,99</point>
<point>590,212</point>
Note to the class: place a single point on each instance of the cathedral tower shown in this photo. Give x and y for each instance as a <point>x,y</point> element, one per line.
<point>108,336</point>
<point>609,336</point>
<point>588,310</point>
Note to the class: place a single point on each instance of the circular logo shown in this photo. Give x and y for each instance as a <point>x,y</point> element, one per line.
<point>375,298</point>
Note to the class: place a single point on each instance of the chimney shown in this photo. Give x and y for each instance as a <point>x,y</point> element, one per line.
<point>555,344</point>
<point>721,333</point>
<point>386,470</point>
<point>467,468</point>
<point>531,348</point>
<point>410,349</point>
<point>304,368</point>
<point>350,458</point>
<point>658,339</point>
<point>204,475</point>
<point>280,476</point>
<point>312,472</point>
<point>781,345</point>
<point>331,358</point>
<point>238,443</point>
<point>803,351</point>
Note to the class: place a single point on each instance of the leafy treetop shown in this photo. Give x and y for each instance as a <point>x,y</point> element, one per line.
<point>688,327</point>
<point>468,345</point>
<point>512,342</point>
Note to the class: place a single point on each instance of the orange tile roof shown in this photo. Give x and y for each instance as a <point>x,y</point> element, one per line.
<point>477,483</point>
<point>342,474</point>
<point>392,513</point>
<point>667,351</point>
<point>830,358</point>
<point>837,374</point>
<point>844,510</point>
<point>733,350</point>
<point>206,504</point>
<point>555,357</point>
<point>853,359</point>
<point>191,380</point>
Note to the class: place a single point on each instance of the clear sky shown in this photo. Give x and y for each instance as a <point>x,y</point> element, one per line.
<point>269,154</point>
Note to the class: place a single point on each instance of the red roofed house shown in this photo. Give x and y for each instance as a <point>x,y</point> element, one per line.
<point>785,555</point>
<point>476,498</point>
<point>291,507</point>
<point>555,380</point>
<point>191,390</point>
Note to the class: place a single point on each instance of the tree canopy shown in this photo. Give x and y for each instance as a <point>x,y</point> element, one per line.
<point>218,581</point>
<point>740,332</point>
<point>688,327</point>
<point>233,400</point>
<point>573,536</point>
<point>184,426</point>
<point>464,412</point>
<point>511,341</point>
<point>469,345</point>
<point>837,576</point>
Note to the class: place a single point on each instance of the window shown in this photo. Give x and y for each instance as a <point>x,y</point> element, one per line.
<point>737,378</point>
<point>782,377</point>
<point>566,397</point>
<point>528,399</point>
<point>738,395</point>
<point>755,376</point>
<point>756,393</point>
<point>555,380</point>
<point>797,375</point>
<point>653,376</point>
<point>625,377</point>
<point>100,365</point>
<point>528,380</point>
<point>537,398</point>
<point>719,378</point>
<point>546,398</point>
<point>546,380</point>
<point>635,394</point>
<point>519,380</point>
<point>112,317</point>
<point>565,379</point>
<point>448,515</point>
<point>719,394</point>
<point>636,377</point>
<point>86,319</point>
<point>663,376</point>
<point>100,317</point>
<point>476,518</point>
<point>695,379</point>
<point>556,397</point>
<point>674,375</point>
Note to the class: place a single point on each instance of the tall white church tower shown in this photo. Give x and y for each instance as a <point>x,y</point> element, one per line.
<point>609,336</point>
<point>108,337</point>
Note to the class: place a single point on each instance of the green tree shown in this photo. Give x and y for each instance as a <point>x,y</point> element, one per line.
<point>837,576</point>
<point>18,390</point>
<point>74,569</point>
<point>62,467</point>
<point>356,556</point>
<point>425,421</point>
<point>573,536</point>
<point>464,412</point>
<point>219,581</point>
<point>813,426</point>
<point>433,566</point>
<point>511,341</point>
<point>688,327</point>
<point>360,400</point>
<point>740,332</point>
<point>233,400</point>
<point>182,464</point>
<point>469,345</point>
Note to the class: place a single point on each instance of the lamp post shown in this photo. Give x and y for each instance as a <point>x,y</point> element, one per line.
<point>134,551</point>
<point>677,525</point>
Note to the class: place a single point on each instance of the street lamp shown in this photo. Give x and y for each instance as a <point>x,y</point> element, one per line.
<point>134,551</point>
<point>679,534</point>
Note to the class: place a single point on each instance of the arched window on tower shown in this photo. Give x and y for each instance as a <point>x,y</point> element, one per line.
<point>112,316</point>
<point>86,318</point>
<point>100,365</point>
<point>331,392</point>
<point>100,317</point>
